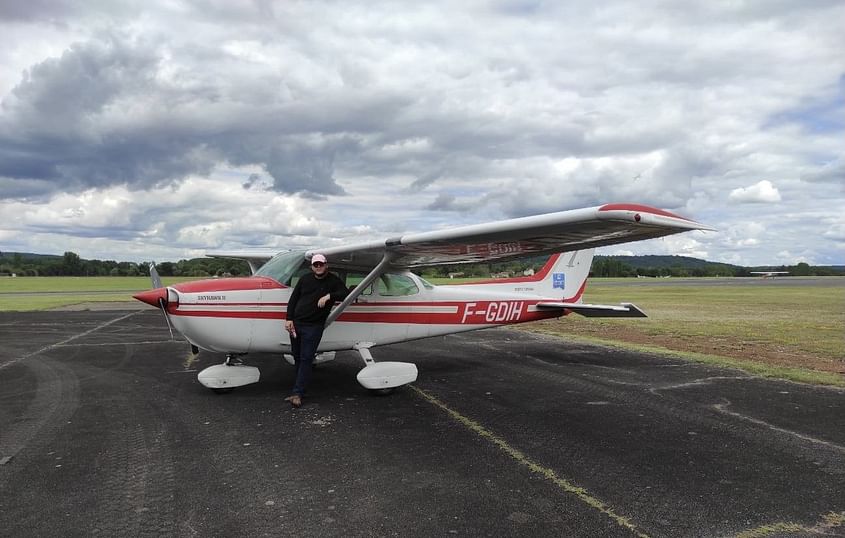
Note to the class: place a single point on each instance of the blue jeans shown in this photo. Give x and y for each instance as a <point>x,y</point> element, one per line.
<point>303,348</point>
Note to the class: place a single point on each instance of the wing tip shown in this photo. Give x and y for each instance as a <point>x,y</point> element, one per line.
<point>638,211</point>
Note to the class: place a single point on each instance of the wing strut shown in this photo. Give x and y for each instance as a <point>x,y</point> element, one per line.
<point>369,279</point>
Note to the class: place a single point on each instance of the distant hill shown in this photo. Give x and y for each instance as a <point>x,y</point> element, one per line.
<point>28,256</point>
<point>644,262</point>
<point>687,266</point>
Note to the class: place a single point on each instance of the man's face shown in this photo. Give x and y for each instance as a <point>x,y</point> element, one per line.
<point>320,269</point>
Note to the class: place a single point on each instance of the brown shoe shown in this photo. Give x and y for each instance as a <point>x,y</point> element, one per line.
<point>295,400</point>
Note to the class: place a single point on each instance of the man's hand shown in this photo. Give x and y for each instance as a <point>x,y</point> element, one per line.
<point>289,328</point>
<point>324,299</point>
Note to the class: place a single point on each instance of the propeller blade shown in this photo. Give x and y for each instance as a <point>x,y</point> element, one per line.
<point>163,306</point>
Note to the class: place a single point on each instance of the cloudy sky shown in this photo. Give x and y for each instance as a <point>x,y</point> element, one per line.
<point>162,129</point>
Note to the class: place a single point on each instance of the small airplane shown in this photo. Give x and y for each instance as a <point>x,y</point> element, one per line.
<point>388,303</point>
<point>769,274</point>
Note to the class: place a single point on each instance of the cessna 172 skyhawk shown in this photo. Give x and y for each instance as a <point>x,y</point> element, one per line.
<point>389,304</point>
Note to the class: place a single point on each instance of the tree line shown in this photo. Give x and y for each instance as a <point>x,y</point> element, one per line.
<point>611,267</point>
<point>70,264</point>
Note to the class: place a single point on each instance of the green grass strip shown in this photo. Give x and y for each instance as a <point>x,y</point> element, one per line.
<point>799,375</point>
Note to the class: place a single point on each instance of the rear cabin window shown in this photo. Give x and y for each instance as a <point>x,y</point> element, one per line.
<point>393,285</point>
<point>387,285</point>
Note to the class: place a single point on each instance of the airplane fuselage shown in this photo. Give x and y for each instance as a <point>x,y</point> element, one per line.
<point>247,314</point>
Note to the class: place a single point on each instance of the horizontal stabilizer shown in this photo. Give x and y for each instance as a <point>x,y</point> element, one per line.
<point>624,310</point>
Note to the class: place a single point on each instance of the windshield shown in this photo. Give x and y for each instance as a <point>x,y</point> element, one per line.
<point>284,266</point>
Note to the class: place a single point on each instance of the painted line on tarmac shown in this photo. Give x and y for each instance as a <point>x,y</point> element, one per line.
<point>722,409</point>
<point>124,343</point>
<point>566,485</point>
<point>66,340</point>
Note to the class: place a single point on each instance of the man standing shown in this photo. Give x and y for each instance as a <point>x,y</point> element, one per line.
<point>308,308</point>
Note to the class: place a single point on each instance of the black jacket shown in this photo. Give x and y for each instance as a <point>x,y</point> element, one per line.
<point>302,306</point>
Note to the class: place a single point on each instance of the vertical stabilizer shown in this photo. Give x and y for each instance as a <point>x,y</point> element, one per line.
<point>565,277</point>
<point>562,278</point>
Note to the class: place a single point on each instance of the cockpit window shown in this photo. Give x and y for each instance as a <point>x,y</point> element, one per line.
<point>387,285</point>
<point>395,285</point>
<point>285,268</point>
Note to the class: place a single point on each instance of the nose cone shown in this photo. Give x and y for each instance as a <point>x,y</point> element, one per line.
<point>152,297</point>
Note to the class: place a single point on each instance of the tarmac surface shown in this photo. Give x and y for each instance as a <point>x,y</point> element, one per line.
<point>104,431</point>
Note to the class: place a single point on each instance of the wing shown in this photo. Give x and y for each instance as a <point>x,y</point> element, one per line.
<point>254,259</point>
<point>563,231</point>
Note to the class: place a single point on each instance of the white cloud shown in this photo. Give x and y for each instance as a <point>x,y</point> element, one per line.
<point>762,192</point>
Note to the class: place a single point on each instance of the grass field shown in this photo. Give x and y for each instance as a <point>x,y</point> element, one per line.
<point>43,293</point>
<point>785,331</point>
<point>794,332</point>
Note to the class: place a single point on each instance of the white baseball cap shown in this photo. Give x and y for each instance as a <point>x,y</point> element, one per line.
<point>318,258</point>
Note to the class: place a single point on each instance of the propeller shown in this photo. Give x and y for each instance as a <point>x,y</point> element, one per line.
<point>158,296</point>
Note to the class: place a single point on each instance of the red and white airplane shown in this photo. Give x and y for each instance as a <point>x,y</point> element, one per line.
<point>389,304</point>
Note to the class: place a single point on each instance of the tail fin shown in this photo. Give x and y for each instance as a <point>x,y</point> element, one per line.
<point>568,274</point>
<point>563,277</point>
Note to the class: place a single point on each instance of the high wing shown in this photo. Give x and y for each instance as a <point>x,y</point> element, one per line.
<point>577,229</point>
<point>254,259</point>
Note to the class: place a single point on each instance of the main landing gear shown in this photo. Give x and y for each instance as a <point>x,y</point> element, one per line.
<point>222,378</point>
<point>379,377</point>
<point>383,377</point>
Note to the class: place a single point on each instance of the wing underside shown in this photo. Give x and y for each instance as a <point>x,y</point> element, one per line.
<point>518,238</point>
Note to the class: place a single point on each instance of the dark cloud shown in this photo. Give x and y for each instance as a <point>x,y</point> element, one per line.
<point>830,172</point>
<point>448,202</point>
<point>102,114</point>
<point>253,180</point>
<point>36,10</point>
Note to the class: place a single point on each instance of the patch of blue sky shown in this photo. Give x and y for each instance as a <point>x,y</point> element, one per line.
<point>822,115</point>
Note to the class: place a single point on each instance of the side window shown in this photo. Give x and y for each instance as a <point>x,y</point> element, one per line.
<point>394,285</point>
<point>353,279</point>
